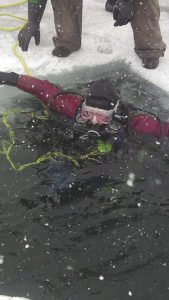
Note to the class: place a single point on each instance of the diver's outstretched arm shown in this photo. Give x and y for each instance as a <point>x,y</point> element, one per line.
<point>43,89</point>
<point>48,93</point>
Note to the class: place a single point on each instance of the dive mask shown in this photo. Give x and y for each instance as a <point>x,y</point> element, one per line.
<point>98,110</point>
<point>95,115</point>
<point>98,115</point>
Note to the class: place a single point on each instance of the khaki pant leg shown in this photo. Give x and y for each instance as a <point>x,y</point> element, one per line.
<point>146,29</point>
<point>68,23</point>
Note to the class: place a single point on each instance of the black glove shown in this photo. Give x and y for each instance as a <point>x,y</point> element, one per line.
<point>123,12</point>
<point>9,78</point>
<point>32,28</point>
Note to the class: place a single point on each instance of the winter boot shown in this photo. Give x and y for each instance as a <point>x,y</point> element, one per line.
<point>150,62</point>
<point>61,52</point>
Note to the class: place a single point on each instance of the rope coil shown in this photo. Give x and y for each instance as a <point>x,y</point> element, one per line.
<point>15,28</point>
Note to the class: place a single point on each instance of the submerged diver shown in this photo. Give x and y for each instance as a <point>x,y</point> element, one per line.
<point>99,113</point>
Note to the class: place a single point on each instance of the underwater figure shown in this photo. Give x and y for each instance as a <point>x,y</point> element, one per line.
<point>99,119</point>
<point>100,113</point>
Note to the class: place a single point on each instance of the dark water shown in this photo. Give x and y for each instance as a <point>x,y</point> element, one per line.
<point>72,232</point>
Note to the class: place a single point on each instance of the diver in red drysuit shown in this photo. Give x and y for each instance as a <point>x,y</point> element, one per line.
<point>100,111</point>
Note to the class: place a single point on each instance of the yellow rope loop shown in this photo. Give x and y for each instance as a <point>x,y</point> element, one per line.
<point>7,147</point>
<point>9,29</point>
<point>43,117</point>
<point>19,27</point>
<point>21,59</point>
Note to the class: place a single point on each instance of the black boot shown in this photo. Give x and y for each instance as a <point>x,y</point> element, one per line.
<point>61,52</point>
<point>109,6</point>
<point>150,62</point>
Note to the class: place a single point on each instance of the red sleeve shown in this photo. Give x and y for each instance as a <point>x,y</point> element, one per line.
<point>65,103</point>
<point>145,124</point>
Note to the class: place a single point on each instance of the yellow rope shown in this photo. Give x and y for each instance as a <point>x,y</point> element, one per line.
<point>13,4</point>
<point>2,28</point>
<point>7,146</point>
<point>21,59</point>
<point>19,27</point>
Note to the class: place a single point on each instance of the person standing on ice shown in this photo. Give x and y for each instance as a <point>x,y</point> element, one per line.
<point>144,18</point>
<point>68,24</point>
<point>100,113</point>
<point>143,15</point>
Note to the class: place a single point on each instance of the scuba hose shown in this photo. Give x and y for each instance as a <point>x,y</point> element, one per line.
<point>10,29</point>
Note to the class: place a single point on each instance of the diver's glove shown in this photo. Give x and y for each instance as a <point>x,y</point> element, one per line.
<point>123,12</point>
<point>32,28</point>
<point>9,78</point>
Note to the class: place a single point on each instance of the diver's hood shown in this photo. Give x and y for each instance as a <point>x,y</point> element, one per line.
<point>102,96</point>
<point>108,98</point>
<point>104,88</point>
